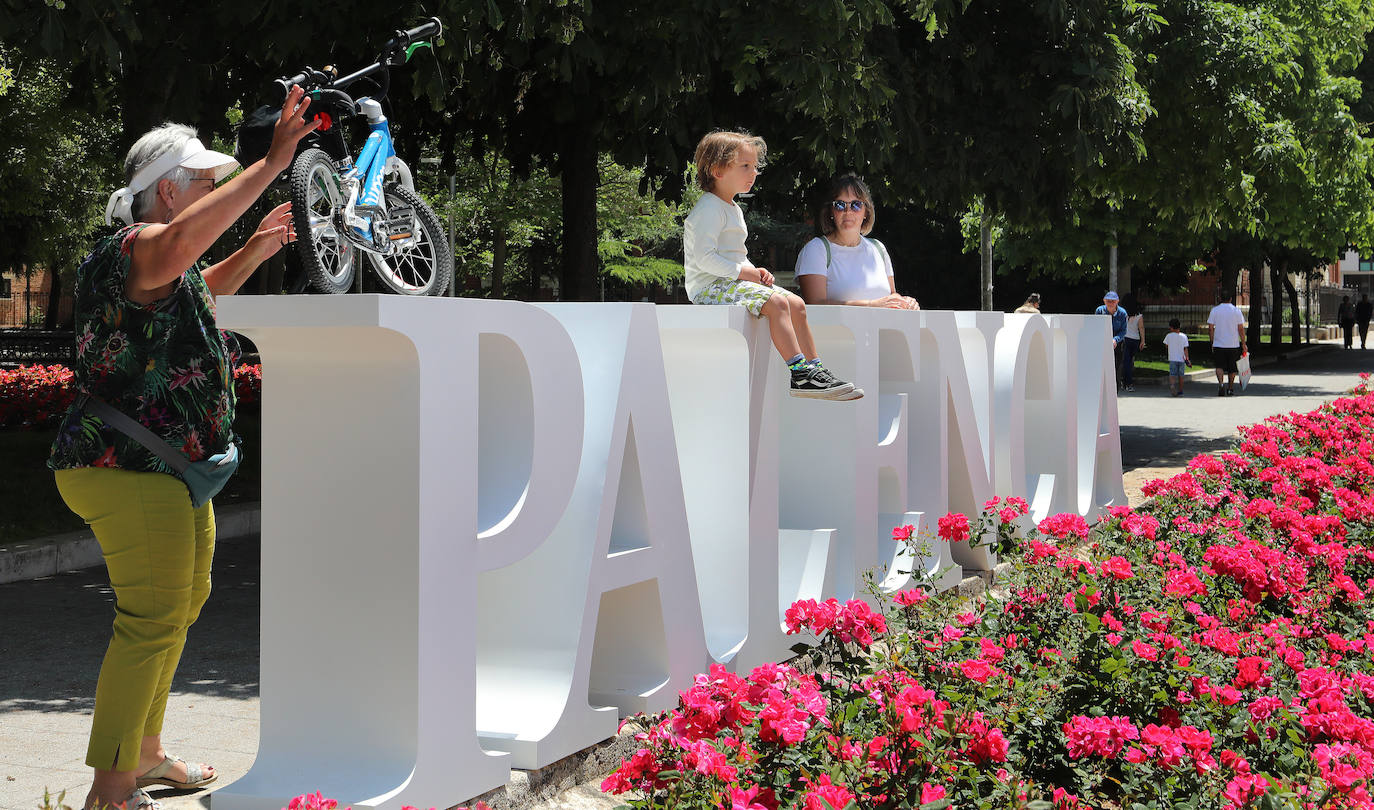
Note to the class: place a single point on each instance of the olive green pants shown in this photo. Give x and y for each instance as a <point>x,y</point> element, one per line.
<point>158,550</point>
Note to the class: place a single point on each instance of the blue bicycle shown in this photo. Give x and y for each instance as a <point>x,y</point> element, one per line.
<point>364,206</point>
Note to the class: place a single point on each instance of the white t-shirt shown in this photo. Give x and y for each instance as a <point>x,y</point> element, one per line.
<point>1133,324</point>
<point>1177,342</point>
<point>1226,320</point>
<point>713,243</point>
<point>858,273</point>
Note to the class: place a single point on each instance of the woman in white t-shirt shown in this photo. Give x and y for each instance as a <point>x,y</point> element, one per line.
<point>843,266</point>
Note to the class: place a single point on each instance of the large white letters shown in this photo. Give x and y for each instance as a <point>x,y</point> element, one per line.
<point>492,528</point>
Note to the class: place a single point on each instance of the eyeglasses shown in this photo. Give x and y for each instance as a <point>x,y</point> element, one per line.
<point>852,205</point>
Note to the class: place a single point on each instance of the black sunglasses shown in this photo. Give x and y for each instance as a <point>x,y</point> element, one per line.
<point>852,205</point>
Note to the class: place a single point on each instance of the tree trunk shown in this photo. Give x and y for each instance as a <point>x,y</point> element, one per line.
<point>577,164</point>
<point>54,301</point>
<point>1292,291</point>
<point>1113,280</point>
<point>985,260</point>
<point>150,78</point>
<point>1229,263</point>
<point>1252,329</point>
<point>1276,305</point>
<point>498,261</point>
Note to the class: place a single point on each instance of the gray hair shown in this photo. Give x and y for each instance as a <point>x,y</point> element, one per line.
<point>156,142</point>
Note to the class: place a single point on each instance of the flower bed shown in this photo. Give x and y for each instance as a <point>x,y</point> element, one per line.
<point>1212,650</point>
<point>38,396</point>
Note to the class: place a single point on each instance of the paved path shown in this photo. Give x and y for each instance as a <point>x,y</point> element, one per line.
<point>1159,431</point>
<point>55,629</point>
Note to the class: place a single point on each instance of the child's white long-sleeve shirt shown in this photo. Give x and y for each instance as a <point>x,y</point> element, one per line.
<point>713,243</point>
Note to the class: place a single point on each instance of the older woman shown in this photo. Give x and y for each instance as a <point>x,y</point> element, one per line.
<point>150,358</point>
<point>842,265</point>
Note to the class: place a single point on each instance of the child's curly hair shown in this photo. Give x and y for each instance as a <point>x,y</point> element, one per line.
<point>718,148</point>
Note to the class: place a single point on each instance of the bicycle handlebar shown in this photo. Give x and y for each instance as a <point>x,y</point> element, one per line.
<point>399,42</point>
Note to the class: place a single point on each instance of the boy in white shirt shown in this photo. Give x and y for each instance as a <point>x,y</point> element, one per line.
<point>1178,356</point>
<point>718,270</point>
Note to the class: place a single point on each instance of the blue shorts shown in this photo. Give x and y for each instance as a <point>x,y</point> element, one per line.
<point>1176,368</point>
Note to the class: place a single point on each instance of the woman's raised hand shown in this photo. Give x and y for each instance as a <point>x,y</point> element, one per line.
<point>273,233</point>
<point>290,128</point>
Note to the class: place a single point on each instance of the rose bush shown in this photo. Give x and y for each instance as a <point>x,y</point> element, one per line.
<point>38,396</point>
<point>1214,649</point>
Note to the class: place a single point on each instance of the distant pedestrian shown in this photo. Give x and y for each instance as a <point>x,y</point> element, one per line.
<point>1111,306</point>
<point>1132,343</point>
<point>1226,329</point>
<point>1346,315</point>
<point>1032,305</point>
<point>1363,311</point>
<point>1177,344</point>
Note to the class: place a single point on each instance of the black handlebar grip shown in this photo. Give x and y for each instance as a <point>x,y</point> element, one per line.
<point>433,28</point>
<point>285,84</point>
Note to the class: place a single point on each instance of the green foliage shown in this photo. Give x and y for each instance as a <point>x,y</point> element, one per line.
<point>1253,134</point>
<point>1164,127</point>
<point>638,233</point>
<point>502,218</point>
<point>59,171</point>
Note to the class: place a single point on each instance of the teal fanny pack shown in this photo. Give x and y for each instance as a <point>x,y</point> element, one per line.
<point>203,479</point>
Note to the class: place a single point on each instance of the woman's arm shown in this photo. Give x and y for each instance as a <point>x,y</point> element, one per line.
<point>161,253</point>
<point>272,235</point>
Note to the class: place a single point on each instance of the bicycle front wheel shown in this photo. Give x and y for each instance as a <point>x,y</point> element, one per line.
<point>421,263</point>
<point>327,258</point>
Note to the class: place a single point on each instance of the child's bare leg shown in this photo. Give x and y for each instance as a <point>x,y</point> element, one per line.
<point>801,327</point>
<point>777,311</point>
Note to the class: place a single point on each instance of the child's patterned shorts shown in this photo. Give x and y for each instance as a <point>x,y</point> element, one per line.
<point>1176,368</point>
<point>748,294</point>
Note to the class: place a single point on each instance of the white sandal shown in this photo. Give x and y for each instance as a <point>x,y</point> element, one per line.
<point>157,775</point>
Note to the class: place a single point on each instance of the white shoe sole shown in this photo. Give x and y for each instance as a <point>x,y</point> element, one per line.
<point>837,392</point>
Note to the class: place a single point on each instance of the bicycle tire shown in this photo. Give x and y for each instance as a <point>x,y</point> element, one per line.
<point>425,265</point>
<point>328,260</point>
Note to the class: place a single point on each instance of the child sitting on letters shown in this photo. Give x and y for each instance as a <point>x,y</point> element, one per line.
<point>719,270</point>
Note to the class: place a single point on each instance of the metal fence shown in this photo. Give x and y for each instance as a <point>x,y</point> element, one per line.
<point>23,307</point>
<point>36,346</point>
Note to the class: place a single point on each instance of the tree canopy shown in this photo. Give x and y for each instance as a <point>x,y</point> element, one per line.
<point>1172,128</point>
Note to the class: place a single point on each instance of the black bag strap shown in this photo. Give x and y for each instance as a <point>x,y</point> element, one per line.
<point>131,428</point>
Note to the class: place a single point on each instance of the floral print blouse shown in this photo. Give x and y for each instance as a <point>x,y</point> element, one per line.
<point>164,364</point>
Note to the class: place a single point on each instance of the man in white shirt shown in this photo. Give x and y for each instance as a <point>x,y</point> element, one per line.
<point>1226,329</point>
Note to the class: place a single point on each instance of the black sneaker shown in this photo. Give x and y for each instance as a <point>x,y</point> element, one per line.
<point>1221,392</point>
<point>814,381</point>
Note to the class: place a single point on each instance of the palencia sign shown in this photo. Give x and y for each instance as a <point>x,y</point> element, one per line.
<point>490,528</point>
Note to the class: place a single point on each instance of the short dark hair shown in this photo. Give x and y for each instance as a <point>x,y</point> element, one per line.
<point>1226,296</point>
<point>1174,323</point>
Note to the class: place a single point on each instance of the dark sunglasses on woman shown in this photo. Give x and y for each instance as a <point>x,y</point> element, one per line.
<point>852,205</point>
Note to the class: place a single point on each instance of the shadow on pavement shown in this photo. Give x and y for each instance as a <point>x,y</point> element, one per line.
<point>1165,447</point>
<point>56,630</point>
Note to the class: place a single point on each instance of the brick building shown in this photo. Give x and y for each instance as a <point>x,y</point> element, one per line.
<point>24,300</point>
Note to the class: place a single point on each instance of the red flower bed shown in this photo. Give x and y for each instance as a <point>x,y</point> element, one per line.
<point>38,396</point>
<point>1214,649</point>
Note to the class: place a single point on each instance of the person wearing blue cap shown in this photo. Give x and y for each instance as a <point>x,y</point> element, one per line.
<point>1111,305</point>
